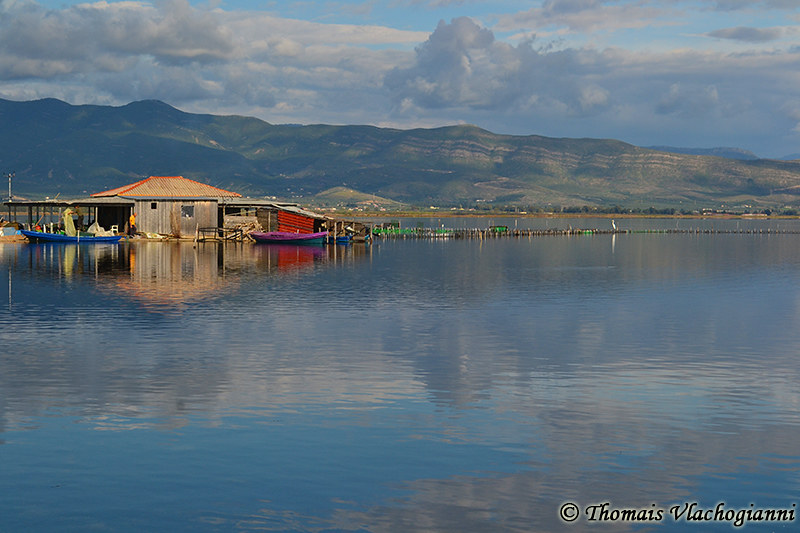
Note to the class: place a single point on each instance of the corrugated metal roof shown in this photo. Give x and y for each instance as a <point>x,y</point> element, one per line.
<point>247,202</point>
<point>65,202</point>
<point>303,212</point>
<point>168,187</point>
<point>103,201</point>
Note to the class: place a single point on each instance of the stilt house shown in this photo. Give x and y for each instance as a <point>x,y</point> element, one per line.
<point>177,206</point>
<point>172,205</point>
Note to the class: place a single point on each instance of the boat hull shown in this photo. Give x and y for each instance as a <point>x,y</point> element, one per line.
<point>282,237</point>
<point>40,236</point>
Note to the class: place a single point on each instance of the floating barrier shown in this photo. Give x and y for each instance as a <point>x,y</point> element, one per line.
<point>490,233</point>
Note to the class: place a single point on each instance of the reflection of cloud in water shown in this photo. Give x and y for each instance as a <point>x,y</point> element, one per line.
<point>129,369</point>
<point>489,394</point>
<point>529,499</point>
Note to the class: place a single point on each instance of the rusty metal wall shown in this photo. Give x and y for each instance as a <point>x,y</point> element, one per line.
<point>294,223</point>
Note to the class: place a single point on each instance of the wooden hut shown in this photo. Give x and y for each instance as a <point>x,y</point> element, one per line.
<point>172,205</point>
<point>180,207</point>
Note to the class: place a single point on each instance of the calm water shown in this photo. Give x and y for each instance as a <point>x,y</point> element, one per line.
<point>405,386</point>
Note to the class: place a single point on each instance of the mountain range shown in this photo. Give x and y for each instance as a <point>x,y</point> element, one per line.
<point>730,153</point>
<point>53,147</point>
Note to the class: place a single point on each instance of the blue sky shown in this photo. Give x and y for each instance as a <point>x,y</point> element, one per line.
<point>649,72</point>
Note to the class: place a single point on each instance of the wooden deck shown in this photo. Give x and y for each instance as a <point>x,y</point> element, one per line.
<point>220,234</point>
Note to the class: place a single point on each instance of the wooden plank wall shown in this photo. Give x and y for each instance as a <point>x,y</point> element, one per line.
<point>164,216</point>
<point>268,218</point>
<point>205,216</point>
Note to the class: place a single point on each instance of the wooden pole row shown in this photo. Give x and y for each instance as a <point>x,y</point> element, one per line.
<point>426,233</point>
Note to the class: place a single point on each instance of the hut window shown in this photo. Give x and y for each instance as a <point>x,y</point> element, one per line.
<point>187,211</point>
<point>153,205</point>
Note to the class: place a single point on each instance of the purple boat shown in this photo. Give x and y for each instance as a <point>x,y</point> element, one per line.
<point>284,237</point>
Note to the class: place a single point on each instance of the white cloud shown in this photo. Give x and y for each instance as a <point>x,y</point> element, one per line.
<point>792,110</point>
<point>462,65</point>
<point>35,42</point>
<point>258,26</point>
<point>748,34</point>
<point>692,101</point>
<point>681,94</point>
<point>206,59</point>
<point>748,5</point>
<point>585,16</point>
<point>593,97</point>
<point>187,55</point>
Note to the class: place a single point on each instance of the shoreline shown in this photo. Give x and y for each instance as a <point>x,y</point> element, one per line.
<point>437,214</point>
<point>450,215</point>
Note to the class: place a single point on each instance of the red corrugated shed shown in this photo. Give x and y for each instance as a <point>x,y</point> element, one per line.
<point>294,223</point>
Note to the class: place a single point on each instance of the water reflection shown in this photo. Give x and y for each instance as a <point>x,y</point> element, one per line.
<point>140,335</point>
<point>411,385</point>
<point>161,275</point>
<point>634,224</point>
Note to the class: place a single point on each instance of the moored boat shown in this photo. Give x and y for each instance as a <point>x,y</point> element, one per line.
<point>339,239</point>
<point>42,236</point>
<point>285,237</point>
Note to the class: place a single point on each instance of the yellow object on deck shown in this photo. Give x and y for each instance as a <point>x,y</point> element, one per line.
<point>69,225</point>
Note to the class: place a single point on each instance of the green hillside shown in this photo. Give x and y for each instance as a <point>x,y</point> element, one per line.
<point>54,147</point>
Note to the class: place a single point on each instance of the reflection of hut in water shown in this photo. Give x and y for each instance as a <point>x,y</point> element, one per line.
<point>170,274</point>
<point>65,261</point>
<point>288,258</point>
<point>162,275</point>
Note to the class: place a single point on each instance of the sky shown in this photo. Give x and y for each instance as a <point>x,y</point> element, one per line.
<point>701,74</point>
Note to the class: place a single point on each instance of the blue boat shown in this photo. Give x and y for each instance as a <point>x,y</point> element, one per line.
<point>42,236</point>
<point>341,239</point>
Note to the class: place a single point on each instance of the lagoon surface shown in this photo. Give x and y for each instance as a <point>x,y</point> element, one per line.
<point>408,385</point>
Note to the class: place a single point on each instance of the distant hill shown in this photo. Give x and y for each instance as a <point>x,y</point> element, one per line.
<point>344,196</point>
<point>730,153</point>
<point>54,147</point>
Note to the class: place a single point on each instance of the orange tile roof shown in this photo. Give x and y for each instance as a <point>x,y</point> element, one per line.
<point>168,187</point>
